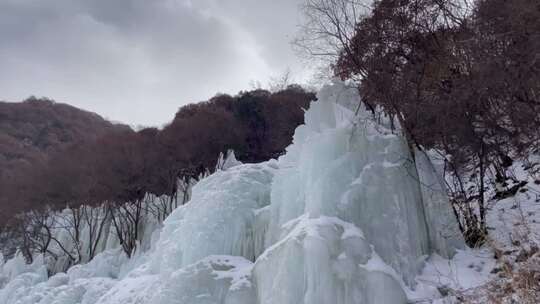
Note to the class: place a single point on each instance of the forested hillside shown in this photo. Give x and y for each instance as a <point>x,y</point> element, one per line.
<point>56,155</point>
<point>34,130</point>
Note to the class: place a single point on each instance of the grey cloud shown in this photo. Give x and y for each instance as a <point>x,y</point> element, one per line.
<point>137,61</point>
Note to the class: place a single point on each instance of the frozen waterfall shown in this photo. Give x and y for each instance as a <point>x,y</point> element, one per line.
<point>348,215</point>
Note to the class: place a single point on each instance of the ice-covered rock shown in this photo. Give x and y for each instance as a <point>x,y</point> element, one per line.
<point>19,277</point>
<point>108,265</point>
<point>324,260</point>
<point>214,279</point>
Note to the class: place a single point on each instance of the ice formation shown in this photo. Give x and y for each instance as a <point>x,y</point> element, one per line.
<point>348,215</point>
<point>227,161</point>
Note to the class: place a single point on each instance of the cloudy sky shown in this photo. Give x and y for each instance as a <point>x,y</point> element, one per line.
<point>137,61</point>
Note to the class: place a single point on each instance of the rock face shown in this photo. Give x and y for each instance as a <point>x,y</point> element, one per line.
<point>343,217</point>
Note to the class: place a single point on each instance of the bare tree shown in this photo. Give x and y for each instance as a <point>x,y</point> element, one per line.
<point>329,26</point>
<point>127,219</point>
<point>95,220</point>
<point>280,83</point>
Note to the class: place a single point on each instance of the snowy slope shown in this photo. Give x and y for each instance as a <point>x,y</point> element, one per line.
<point>344,216</point>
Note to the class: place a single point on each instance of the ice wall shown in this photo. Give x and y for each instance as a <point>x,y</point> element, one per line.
<point>219,220</point>
<point>348,167</point>
<point>343,217</point>
<point>444,234</point>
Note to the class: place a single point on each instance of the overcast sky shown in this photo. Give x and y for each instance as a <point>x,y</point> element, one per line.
<point>137,61</point>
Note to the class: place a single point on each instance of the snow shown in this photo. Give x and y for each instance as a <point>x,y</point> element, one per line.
<point>468,269</point>
<point>341,218</point>
<point>516,219</point>
<point>32,286</point>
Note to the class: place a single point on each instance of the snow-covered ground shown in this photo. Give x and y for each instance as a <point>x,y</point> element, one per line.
<point>514,238</point>
<point>343,217</point>
<point>515,220</point>
<point>495,273</point>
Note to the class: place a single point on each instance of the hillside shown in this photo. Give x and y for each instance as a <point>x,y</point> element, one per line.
<point>56,155</point>
<point>32,130</point>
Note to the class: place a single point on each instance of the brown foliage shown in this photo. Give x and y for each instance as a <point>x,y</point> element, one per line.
<point>119,165</point>
<point>31,132</point>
